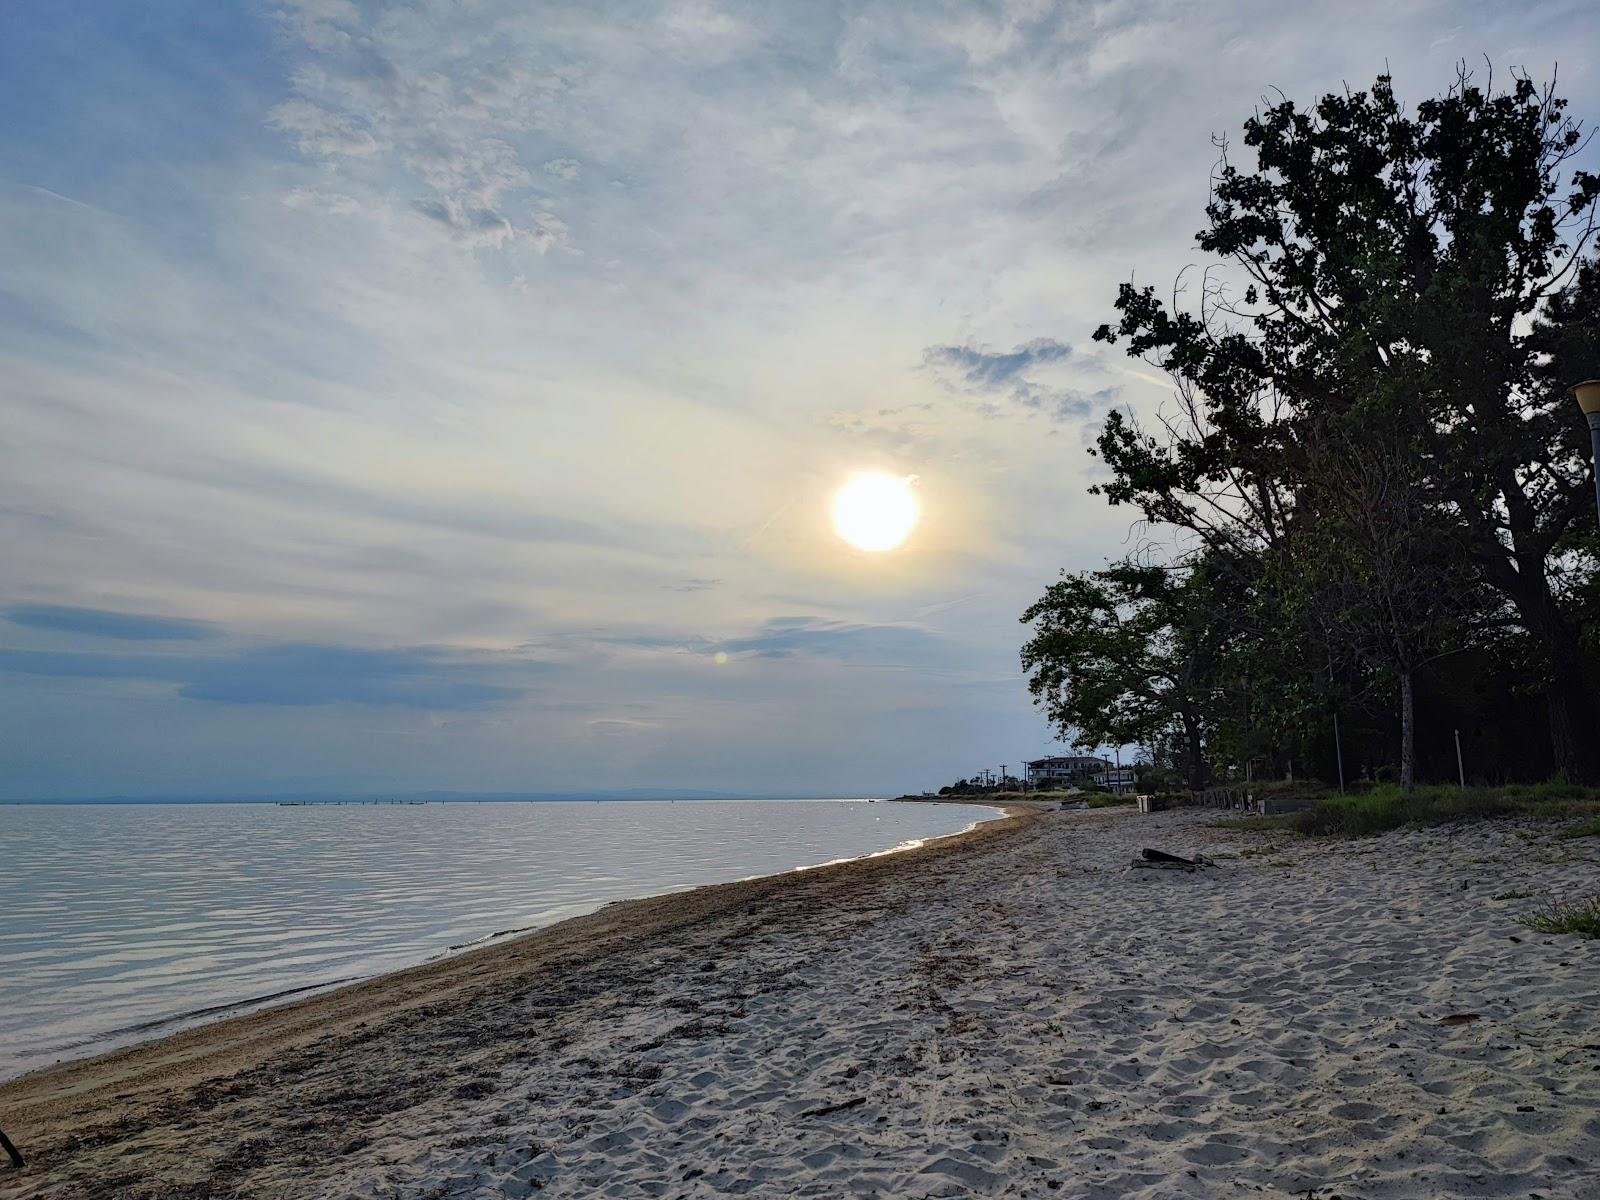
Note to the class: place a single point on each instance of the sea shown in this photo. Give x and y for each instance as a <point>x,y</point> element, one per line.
<point>124,922</point>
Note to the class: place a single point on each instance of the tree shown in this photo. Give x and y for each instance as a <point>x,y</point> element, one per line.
<point>1440,254</point>
<point>1375,566</point>
<point>1120,655</point>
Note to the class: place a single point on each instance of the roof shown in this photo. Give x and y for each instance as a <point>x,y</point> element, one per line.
<point>1067,760</point>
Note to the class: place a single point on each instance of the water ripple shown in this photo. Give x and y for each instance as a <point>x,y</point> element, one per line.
<point>124,921</point>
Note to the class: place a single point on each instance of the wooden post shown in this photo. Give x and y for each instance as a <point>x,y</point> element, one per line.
<point>11,1151</point>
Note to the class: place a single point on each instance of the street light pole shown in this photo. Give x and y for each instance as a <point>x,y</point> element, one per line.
<point>1587,394</point>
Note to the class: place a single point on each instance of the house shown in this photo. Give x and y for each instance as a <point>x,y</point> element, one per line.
<point>1117,779</point>
<point>1065,770</point>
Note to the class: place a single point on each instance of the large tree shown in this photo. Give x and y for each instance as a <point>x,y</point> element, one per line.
<point>1438,257</point>
<point>1373,564</point>
<point>1123,655</point>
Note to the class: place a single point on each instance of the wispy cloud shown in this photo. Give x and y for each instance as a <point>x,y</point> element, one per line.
<point>293,675</point>
<point>107,624</point>
<point>394,338</point>
<point>445,106</point>
<point>994,369</point>
<point>782,637</point>
<point>1013,376</point>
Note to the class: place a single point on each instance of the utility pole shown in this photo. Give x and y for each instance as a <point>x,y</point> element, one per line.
<point>1338,747</point>
<point>1461,770</point>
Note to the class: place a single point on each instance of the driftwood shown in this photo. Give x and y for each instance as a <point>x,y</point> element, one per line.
<point>1171,862</point>
<point>11,1151</point>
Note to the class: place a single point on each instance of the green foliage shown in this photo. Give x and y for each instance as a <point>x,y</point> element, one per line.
<point>1513,895</point>
<point>1372,443</point>
<point>1123,655</point>
<point>1108,800</point>
<point>1271,824</point>
<point>1387,807</point>
<point>1581,917</point>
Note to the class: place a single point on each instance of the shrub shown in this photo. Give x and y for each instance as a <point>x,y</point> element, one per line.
<point>1386,807</point>
<point>1107,800</point>
<point>1581,918</point>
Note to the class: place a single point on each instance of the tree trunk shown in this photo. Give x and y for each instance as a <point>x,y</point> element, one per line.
<point>1574,725</point>
<point>1196,765</point>
<point>1408,733</point>
<point>1574,716</point>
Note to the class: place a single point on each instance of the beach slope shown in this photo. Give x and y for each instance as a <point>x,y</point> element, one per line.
<point>1009,1013</point>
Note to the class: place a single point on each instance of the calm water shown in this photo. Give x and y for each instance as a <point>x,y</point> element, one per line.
<point>122,922</point>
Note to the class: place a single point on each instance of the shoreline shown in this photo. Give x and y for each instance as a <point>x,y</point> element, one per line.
<point>1012,1011</point>
<point>41,1106</point>
<point>103,1043</point>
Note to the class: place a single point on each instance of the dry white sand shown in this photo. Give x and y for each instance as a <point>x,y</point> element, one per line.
<point>1019,1016</point>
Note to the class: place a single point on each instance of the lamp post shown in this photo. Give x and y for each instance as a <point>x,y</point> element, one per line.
<point>1587,394</point>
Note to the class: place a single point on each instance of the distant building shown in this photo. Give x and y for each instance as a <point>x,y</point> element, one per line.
<point>1067,769</point>
<point>1117,779</point>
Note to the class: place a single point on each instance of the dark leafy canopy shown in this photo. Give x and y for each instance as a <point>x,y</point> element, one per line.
<point>1124,656</point>
<point>1428,272</point>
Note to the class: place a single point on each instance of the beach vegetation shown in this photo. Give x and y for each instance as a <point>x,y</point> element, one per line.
<point>1388,807</point>
<point>1581,917</point>
<point>1109,800</point>
<point>1589,828</point>
<point>1256,824</point>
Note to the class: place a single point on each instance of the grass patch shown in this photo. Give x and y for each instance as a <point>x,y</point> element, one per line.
<point>1289,789</point>
<point>1108,800</point>
<point>1581,918</point>
<point>1271,824</point>
<point>1386,807</point>
<point>1590,828</point>
<point>1513,895</point>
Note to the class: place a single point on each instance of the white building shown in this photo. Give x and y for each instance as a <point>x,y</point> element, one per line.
<point>1117,779</point>
<point>1065,769</point>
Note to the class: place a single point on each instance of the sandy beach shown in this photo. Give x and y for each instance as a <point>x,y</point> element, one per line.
<point>1013,1012</point>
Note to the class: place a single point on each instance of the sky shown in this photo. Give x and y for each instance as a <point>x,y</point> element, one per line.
<point>450,394</point>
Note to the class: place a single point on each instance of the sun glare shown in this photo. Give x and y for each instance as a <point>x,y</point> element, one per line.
<point>876,511</point>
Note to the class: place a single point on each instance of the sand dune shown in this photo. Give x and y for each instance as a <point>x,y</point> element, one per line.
<point>1018,1014</point>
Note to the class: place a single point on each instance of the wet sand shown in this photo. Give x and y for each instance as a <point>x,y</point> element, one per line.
<point>1012,1012</point>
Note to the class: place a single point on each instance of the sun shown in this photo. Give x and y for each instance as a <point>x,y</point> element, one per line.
<point>876,511</point>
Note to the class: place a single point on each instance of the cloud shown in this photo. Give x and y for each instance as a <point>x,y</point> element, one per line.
<point>307,675</point>
<point>295,675</point>
<point>317,131</point>
<point>512,320</point>
<point>987,369</point>
<point>59,664</point>
<point>98,622</point>
<point>782,637</point>
<point>991,376</point>
<point>439,100</point>
<point>473,225</point>
<point>692,585</point>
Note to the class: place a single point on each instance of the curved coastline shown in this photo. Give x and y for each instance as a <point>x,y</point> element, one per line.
<point>48,1108</point>
<point>49,1053</point>
<point>1012,1011</point>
